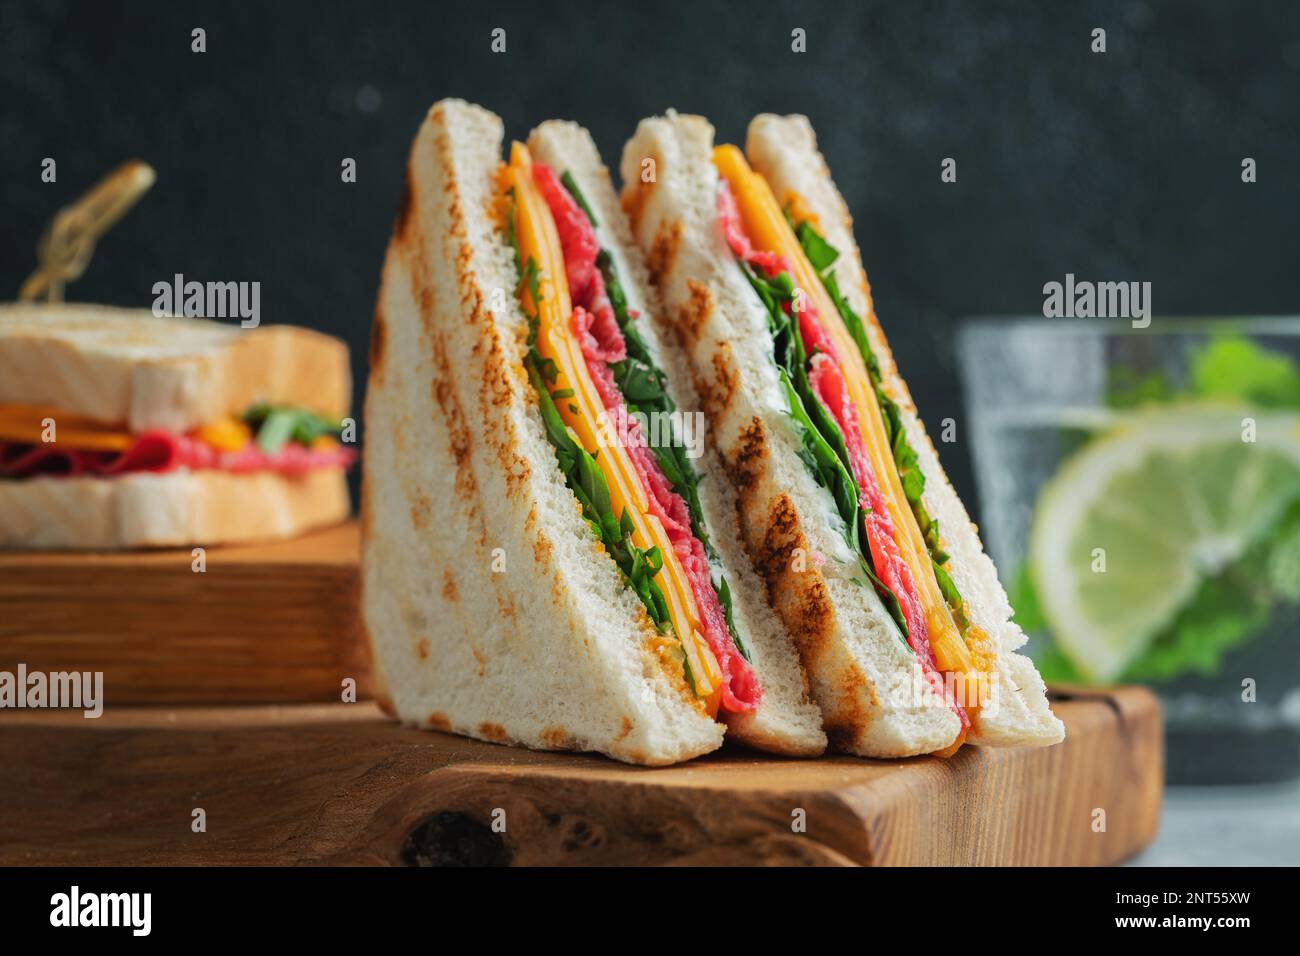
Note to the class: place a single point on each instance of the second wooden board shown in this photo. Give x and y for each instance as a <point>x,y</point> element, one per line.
<point>266,623</point>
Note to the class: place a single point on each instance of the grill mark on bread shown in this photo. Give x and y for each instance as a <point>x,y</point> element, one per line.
<point>481,661</point>
<point>497,392</point>
<point>422,648</point>
<point>637,193</point>
<point>716,395</point>
<point>494,732</point>
<point>695,314</point>
<point>781,536</point>
<point>444,395</point>
<point>421,510</point>
<point>438,720</point>
<point>542,547</point>
<point>470,293</point>
<point>517,470</point>
<point>626,727</point>
<point>555,738</point>
<point>851,719</point>
<point>502,375</point>
<point>801,599</point>
<point>749,459</point>
<point>663,251</point>
<point>449,589</point>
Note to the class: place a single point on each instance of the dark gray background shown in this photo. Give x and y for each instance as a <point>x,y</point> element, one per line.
<point>1117,166</point>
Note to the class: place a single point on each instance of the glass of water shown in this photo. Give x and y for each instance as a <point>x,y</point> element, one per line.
<point>1140,493</point>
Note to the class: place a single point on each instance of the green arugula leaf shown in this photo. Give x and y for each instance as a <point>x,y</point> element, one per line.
<point>819,252</point>
<point>790,356</point>
<point>276,430</point>
<point>642,385</point>
<point>824,451</point>
<point>572,186</point>
<point>274,426</point>
<point>946,586</point>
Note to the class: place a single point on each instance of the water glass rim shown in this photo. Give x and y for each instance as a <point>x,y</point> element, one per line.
<point>979,325</point>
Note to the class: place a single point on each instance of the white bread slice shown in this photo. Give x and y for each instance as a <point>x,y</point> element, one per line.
<point>784,151</point>
<point>129,367</point>
<point>175,509</point>
<point>786,721</point>
<point>873,695</point>
<point>491,609</point>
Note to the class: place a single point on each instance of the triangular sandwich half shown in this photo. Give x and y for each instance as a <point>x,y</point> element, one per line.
<point>869,556</point>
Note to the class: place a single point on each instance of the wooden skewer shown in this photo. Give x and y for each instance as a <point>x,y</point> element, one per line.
<point>68,242</point>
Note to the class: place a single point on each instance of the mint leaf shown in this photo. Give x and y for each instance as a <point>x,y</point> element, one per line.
<point>1022,594</point>
<point>1233,367</point>
<point>1127,389</point>
<point>1224,613</point>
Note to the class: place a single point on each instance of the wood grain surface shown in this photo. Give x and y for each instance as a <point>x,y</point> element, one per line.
<point>340,784</point>
<point>267,623</point>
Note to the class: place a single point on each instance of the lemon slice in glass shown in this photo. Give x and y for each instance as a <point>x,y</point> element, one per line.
<point>1129,527</point>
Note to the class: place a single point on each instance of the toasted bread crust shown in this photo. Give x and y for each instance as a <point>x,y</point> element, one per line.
<point>784,151</point>
<point>453,421</point>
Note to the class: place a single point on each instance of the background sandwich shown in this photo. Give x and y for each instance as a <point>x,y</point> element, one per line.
<point>120,429</point>
<point>868,554</point>
<point>536,569</point>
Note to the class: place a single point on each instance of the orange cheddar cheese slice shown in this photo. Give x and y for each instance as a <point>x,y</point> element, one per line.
<point>769,231</point>
<point>26,424</point>
<point>583,413</point>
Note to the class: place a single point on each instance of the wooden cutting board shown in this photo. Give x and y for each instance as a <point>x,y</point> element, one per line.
<point>267,623</point>
<point>342,784</point>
